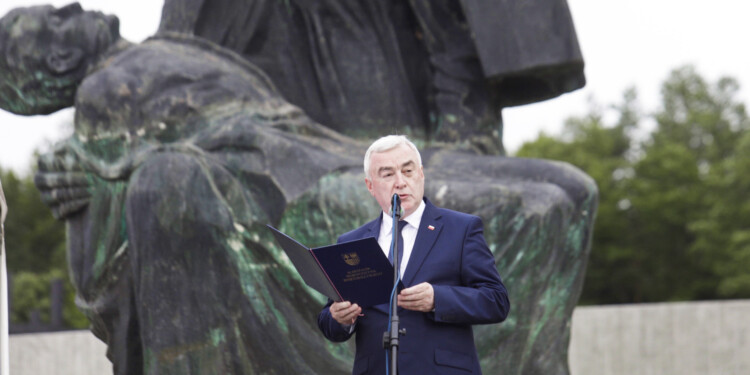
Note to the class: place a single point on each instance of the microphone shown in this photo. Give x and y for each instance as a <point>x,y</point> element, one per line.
<point>396,202</point>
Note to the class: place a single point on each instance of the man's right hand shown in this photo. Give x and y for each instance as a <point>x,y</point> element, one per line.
<point>345,312</point>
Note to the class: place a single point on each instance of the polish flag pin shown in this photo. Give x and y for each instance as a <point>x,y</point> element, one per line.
<point>430,227</point>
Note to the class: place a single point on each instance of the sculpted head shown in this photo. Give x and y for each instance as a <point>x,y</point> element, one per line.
<point>45,53</point>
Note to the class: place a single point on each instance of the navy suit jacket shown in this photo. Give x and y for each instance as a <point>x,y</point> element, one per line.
<point>451,254</point>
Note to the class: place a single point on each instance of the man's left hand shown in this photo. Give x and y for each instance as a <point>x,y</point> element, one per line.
<point>420,297</point>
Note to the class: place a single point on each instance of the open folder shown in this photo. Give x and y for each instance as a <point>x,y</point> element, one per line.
<point>356,271</point>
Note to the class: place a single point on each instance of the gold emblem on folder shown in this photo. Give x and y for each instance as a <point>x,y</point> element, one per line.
<point>351,259</point>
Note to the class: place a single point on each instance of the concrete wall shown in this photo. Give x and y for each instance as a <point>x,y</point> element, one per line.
<point>696,338</point>
<point>700,338</point>
<point>59,353</point>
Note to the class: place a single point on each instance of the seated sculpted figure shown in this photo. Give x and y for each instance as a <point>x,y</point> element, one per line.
<point>183,151</point>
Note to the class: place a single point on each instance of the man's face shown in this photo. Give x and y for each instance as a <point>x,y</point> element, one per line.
<point>396,171</point>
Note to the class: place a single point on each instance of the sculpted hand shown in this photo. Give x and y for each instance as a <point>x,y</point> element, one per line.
<point>345,312</point>
<point>420,297</point>
<point>63,184</point>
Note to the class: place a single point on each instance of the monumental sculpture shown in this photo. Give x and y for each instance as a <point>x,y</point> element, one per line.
<point>240,114</point>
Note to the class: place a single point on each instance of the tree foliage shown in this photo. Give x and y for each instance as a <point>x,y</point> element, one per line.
<point>35,247</point>
<point>673,221</point>
<point>34,239</point>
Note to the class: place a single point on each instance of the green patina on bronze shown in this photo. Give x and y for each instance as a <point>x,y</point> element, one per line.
<point>188,144</point>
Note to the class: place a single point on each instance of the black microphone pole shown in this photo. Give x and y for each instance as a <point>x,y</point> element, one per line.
<point>390,338</point>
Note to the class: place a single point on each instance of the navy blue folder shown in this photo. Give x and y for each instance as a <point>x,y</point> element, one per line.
<point>356,271</point>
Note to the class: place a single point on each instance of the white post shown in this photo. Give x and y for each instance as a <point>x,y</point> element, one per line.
<point>4,317</point>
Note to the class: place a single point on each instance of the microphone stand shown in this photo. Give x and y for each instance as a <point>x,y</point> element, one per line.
<point>390,337</point>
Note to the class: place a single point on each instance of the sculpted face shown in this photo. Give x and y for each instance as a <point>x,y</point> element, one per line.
<point>396,171</point>
<point>46,53</point>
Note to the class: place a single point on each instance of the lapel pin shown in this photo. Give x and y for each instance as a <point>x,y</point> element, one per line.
<point>430,227</point>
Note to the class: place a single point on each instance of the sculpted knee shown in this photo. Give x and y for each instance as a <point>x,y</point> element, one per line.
<point>175,193</point>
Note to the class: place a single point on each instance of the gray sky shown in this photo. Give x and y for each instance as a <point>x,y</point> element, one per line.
<point>625,43</point>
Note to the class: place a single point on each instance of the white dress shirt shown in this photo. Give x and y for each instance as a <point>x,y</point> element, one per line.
<point>409,233</point>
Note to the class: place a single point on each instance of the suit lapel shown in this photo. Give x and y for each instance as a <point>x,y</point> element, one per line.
<point>427,234</point>
<point>373,227</point>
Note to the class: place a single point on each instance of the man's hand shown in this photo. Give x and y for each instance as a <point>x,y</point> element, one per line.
<point>420,297</point>
<point>345,312</point>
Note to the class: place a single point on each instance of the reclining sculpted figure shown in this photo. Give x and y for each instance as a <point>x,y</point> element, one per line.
<point>184,149</point>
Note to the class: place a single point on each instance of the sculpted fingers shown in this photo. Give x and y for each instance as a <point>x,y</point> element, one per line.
<point>65,202</point>
<point>54,180</point>
<point>62,158</point>
<point>56,196</point>
<point>68,208</point>
<point>64,192</point>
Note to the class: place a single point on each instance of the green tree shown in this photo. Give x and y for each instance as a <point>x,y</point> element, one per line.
<point>676,186</point>
<point>601,151</point>
<point>709,121</point>
<point>34,239</point>
<point>31,292</point>
<point>35,246</point>
<point>673,220</point>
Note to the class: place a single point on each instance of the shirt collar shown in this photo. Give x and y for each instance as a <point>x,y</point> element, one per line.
<point>414,219</point>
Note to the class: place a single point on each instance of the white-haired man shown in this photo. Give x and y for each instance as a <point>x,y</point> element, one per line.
<point>448,270</point>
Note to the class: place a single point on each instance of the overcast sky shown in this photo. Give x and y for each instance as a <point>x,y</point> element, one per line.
<point>625,43</point>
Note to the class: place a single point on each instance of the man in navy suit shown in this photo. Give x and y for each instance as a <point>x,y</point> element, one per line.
<point>449,274</point>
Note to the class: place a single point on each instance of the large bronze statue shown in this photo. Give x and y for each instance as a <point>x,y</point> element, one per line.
<point>238,115</point>
<point>437,69</point>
